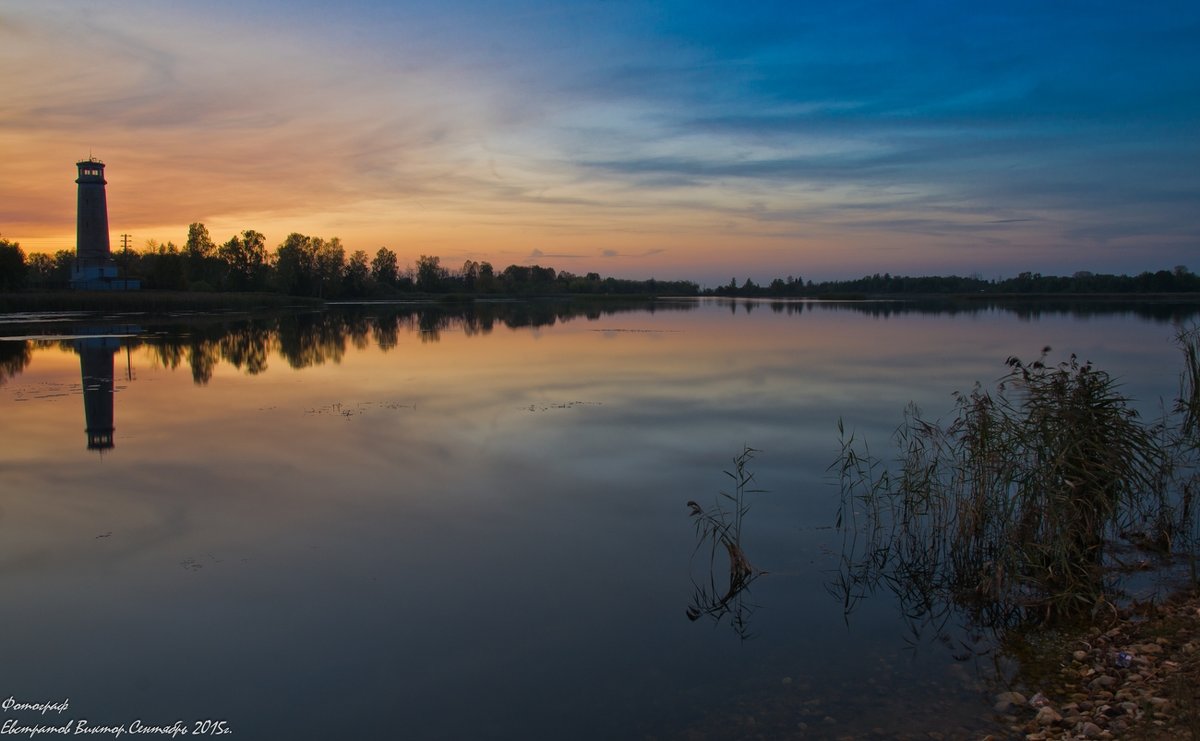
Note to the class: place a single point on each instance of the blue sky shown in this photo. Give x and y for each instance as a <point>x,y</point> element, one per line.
<point>697,140</point>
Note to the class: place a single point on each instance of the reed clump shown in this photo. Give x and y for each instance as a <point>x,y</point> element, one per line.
<point>1010,509</point>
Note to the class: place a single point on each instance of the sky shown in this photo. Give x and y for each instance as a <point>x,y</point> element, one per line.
<point>677,140</point>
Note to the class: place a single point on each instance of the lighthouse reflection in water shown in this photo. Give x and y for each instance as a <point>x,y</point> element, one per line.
<point>96,354</point>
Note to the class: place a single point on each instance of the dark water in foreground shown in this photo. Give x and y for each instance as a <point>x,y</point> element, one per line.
<point>431,523</point>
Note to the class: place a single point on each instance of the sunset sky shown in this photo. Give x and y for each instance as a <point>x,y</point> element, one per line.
<point>689,140</point>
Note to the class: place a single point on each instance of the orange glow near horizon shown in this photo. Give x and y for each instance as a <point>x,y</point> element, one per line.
<point>709,249</point>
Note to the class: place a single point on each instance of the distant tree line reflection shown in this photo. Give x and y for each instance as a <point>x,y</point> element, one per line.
<point>14,357</point>
<point>304,339</point>
<point>308,339</point>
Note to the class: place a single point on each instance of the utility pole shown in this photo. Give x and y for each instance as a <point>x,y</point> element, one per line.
<point>126,240</point>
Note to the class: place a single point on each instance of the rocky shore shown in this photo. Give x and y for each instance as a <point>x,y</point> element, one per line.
<point>1137,680</point>
<point>1135,676</point>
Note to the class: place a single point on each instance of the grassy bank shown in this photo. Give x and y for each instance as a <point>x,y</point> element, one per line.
<point>154,302</point>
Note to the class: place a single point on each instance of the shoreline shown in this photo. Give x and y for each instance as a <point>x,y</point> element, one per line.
<point>149,301</point>
<point>154,301</point>
<point>1139,678</point>
<point>161,302</point>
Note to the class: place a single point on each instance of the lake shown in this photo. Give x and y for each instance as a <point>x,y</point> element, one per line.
<point>424,521</point>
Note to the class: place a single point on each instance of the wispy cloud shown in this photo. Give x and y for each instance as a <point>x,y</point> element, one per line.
<point>776,134</point>
<point>643,253</point>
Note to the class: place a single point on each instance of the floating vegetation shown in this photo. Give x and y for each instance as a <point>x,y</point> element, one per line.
<point>362,407</point>
<point>720,527</point>
<point>561,405</point>
<point>1011,512</point>
<point>618,330</point>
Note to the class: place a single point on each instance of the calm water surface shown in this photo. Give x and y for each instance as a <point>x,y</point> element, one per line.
<point>428,523</point>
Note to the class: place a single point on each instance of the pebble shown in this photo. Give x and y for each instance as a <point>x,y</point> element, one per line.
<point>1103,680</point>
<point>1047,716</point>
<point>1006,701</point>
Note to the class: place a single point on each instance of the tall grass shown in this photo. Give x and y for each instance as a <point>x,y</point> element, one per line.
<point>1011,507</point>
<point>1188,403</point>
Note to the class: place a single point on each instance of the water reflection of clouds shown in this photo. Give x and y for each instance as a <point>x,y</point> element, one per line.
<point>399,500</point>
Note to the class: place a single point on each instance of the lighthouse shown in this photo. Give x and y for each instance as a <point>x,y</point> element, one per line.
<point>96,368</point>
<point>94,268</point>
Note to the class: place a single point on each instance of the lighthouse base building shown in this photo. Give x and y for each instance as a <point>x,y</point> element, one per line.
<point>89,276</point>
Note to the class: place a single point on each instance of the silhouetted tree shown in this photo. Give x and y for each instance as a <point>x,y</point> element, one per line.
<point>162,266</point>
<point>469,275</point>
<point>330,264</point>
<point>245,260</point>
<point>358,275</point>
<point>430,273</point>
<point>515,279</point>
<point>40,273</point>
<point>63,262</point>
<point>385,268</point>
<point>12,266</point>
<point>295,265</point>
<point>201,263</point>
<point>486,282</point>
<point>199,244</point>
<point>541,278</point>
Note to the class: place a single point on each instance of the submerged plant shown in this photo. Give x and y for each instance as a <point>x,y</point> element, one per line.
<point>1008,510</point>
<point>1188,403</point>
<point>720,527</point>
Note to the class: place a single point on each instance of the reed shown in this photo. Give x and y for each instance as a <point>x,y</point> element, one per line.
<point>1010,508</point>
<point>1188,404</point>
<point>720,528</point>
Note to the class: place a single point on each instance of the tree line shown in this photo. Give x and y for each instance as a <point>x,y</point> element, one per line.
<point>312,266</point>
<point>1179,280</point>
